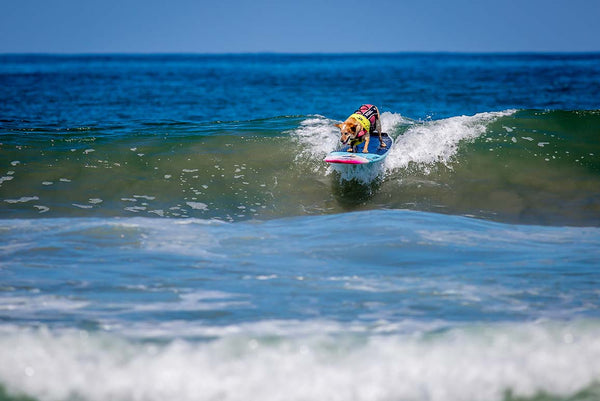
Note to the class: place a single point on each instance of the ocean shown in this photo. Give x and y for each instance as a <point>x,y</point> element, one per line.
<point>170,231</point>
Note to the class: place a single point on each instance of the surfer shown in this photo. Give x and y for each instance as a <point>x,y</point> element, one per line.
<point>359,126</point>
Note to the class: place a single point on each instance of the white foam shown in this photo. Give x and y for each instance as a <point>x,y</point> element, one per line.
<point>41,208</point>
<point>82,206</point>
<point>468,364</point>
<point>390,121</point>
<point>437,141</point>
<point>6,178</point>
<point>147,197</point>
<point>422,144</point>
<point>135,209</point>
<point>197,205</point>
<point>23,199</point>
<point>318,136</point>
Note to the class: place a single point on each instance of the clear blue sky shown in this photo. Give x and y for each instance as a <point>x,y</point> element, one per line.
<point>299,26</point>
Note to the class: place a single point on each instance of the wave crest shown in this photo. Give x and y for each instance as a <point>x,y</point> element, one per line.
<point>438,141</point>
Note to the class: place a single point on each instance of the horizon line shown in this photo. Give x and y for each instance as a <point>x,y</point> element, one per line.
<point>366,53</point>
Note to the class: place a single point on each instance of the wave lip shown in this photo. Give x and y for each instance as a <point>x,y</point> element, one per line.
<point>438,141</point>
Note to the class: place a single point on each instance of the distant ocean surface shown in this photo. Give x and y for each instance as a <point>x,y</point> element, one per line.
<point>169,230</point>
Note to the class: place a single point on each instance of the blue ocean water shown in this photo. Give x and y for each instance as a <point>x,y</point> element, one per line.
<point>169,229</point>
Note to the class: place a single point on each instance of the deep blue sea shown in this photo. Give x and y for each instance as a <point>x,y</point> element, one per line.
<point>169,230</point>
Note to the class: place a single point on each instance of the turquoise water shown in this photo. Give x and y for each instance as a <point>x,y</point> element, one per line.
<point>170,230</point>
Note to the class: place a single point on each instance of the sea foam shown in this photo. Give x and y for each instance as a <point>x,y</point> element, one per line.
<point>463,364</point>
<point>429,142</point>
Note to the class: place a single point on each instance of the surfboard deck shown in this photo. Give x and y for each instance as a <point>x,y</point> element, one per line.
<point>376,153</point>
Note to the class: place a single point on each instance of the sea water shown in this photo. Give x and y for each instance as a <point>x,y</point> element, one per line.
<point>169,230</point>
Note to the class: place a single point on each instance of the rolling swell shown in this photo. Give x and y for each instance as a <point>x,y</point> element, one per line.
<point>522,166</point>
<point>532,167</point>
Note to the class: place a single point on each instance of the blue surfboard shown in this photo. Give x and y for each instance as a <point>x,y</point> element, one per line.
<point>375,155</point>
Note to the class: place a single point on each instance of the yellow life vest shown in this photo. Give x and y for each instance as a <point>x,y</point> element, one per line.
<point>366,124</point>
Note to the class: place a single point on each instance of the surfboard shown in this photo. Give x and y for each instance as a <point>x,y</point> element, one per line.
<point>376,152</point>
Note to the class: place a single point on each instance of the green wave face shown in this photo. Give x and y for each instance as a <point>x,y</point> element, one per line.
<point>533,167</point>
